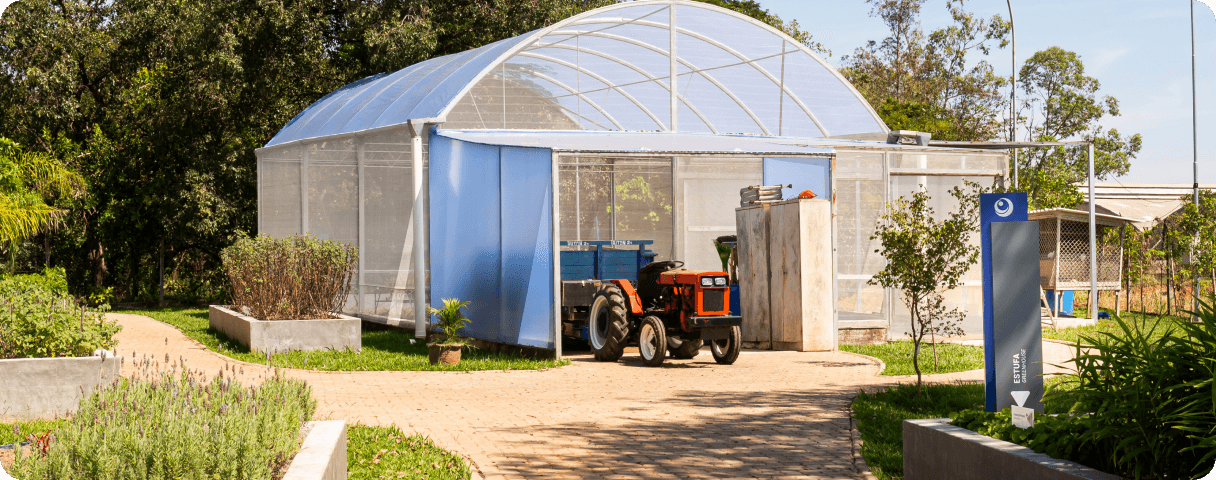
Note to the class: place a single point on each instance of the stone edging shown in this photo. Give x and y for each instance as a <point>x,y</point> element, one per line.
<point>322,454</point>
<point>935,449</point>
<point>859,460</point>
<point>881,364</point>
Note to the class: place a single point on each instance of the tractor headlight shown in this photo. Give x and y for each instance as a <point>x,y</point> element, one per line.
<point>720,281</point>
<point>707,282</point>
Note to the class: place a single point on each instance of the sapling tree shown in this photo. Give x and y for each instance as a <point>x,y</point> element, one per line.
<point>927,257</point>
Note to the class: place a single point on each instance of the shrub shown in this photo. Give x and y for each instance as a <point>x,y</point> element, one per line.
<point>1138,385</point>
<point>289,278</point>
<point>38,321</point>
<point>1140,406</point>
<point>1064,436</point>
<point>177,425</point>
<point>53,279</point>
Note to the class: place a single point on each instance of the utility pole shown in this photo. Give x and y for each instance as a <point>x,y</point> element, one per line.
<point>1013,94</point>
<point>1195,147</point>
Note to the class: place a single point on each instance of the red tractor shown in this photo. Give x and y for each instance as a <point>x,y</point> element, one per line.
<point>670,310</point>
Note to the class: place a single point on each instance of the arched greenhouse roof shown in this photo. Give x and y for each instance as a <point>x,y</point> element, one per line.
<point>610,69</point>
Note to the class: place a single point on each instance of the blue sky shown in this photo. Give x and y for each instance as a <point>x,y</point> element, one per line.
<point>1139,50</point>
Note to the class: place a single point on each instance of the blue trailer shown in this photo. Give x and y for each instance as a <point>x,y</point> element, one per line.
<point>585,265</point>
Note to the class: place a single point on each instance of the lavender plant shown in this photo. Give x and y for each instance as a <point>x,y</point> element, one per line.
<point>177,424</point>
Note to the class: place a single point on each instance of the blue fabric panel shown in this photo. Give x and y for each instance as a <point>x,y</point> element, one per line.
<point>464,231</point>
<point>527,247</point>
<point>814,174</point>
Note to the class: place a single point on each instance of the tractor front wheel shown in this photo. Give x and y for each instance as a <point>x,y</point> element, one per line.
<point>608,321</point>
<point>726,351</point>
<point>652,341</point>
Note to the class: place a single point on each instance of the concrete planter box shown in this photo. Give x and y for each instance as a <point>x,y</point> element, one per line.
<point>51,387</point>
<point>322,455</point>
<point>285,335</point>
<point>935,449</point>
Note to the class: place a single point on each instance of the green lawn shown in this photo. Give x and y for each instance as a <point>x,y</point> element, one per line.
<point>1143,321</point>
<point>382,350</point>
<point>951,357</point>
<point>386,452</point>
<point>880,417</point>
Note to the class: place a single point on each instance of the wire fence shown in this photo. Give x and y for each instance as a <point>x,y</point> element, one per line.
<point>1153,295</point>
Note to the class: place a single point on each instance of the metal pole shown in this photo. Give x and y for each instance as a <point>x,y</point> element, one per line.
<point>420,315</point>
<point>1013,94</point>
<point>361,241</point>
<point>1195,147</point>
<point>556,258</point>
<point>1093,243</point>
<point>671,58</point>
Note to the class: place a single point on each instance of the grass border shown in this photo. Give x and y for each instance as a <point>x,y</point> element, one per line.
<point>387,349</point>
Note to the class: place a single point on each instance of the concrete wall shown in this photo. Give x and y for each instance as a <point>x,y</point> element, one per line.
<point>322,455</point>
<point>286,335</point>
<point>51,387</point>
<point>862,332</point>
<point>934,449</point>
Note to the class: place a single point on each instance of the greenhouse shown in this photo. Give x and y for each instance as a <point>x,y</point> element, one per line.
<point>637,121</point>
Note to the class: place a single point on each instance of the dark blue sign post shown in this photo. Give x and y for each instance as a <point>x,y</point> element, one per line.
<point>1013,338</point>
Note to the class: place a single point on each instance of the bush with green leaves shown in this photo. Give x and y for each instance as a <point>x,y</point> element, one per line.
<point>1061,436</point>
<point>290,278</point>
<point>177,424</point>
<point>38,318</point>
<point>1141,405</point>
<point>53,279</point>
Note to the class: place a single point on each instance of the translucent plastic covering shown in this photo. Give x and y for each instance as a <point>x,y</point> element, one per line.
<point>937,173</point>
<point>359,191</point>
<point>612,69</point>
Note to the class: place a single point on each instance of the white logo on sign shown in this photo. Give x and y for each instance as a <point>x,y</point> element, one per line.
<point>1004,207</point>
<point>1020,396</point>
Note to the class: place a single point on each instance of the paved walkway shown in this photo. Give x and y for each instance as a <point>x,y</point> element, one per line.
<point>770,415</point>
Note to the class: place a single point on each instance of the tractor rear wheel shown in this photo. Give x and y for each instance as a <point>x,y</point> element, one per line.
<point>608,322</point>
<point>684,349</point>
<point>726,351</point>
<point>652,341</point>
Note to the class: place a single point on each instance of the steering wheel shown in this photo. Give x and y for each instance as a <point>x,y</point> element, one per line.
<point>664,265</point>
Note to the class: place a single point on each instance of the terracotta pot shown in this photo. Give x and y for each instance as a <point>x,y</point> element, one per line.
<point>442,354</point>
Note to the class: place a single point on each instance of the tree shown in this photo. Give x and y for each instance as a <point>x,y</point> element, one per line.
<point>159,104</point>
<point>1196,236</point>
<point>1063,105</point>
<point>27,182</point>
<point>925,258</point>
<point>753,9</point>
<point>927,83</point>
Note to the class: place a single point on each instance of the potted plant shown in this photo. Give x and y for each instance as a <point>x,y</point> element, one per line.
<point>450,320</point>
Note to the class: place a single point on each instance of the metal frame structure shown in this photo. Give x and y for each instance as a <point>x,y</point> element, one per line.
<point>1062,254</point>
